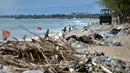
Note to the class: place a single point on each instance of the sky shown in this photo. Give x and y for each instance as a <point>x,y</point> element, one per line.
<point>47,6</point>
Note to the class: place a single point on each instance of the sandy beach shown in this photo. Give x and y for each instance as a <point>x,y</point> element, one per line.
<point>119,52</point>
<point>55,52</point>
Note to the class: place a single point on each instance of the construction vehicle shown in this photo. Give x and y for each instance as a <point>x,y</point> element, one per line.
<point>106,16</point>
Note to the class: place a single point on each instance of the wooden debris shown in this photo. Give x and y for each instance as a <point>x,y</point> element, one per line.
<point>38,53</point>
<point>49,55</point>
<point>105,69</point>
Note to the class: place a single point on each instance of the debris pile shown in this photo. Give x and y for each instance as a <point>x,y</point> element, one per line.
<point>70,55</point>
<point>37,54</point>
<point>122,30</point>
<point>99,63</point>
<point>50,56</point>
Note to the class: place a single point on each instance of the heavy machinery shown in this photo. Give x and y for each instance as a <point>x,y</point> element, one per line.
<point>106,16</point>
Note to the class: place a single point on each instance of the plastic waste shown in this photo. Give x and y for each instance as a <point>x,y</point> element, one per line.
<point>129,71</point>
<point>107,35</point>
<point>115,31</point>
<point>122,32</point>
<point>120,27</point>
<point>33,71</point>
<point>72,40</point>
<point>76,45</point>
<point>1,67</point>
<point>116,43</point>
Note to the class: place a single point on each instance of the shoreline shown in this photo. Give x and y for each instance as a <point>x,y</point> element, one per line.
<point>50,19</point>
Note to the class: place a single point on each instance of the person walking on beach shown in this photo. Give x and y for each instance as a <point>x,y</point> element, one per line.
<point>47,33</point>
<point>64,32</point>
<point>24,38</point>
<point>5,38</point>
<point>73,26</point>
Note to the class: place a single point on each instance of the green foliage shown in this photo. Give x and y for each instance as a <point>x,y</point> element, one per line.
<point>121,8</point>
<point>116,5</point>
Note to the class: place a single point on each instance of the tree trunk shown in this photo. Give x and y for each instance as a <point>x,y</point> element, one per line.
<point>122,18</point>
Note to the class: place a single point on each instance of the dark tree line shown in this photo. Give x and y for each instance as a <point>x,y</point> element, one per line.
<point>57,16</point>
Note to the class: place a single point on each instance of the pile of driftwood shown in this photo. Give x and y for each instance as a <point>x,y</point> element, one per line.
<point>55,56</point>
<point>42,53</point>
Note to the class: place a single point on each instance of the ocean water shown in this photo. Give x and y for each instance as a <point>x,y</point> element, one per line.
<point>55,25</point>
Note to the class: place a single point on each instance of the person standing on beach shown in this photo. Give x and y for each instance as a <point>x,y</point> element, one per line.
<point>73,27</point>
<point>64,32</point>
<point>47,33</point>
<point>69,28</point>
<point>24,38</point>
<point>5,38</point>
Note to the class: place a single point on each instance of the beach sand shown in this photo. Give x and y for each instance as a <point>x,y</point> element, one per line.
<point>119,52</point>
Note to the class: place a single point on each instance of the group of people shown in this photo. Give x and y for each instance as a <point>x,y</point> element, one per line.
<point>64,31</point>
